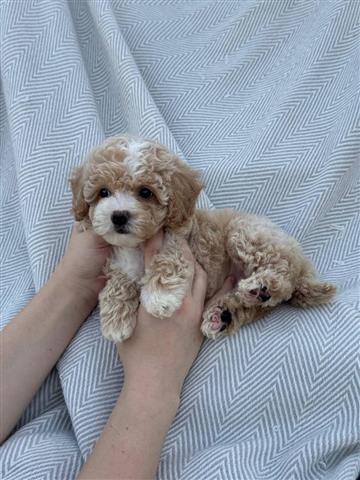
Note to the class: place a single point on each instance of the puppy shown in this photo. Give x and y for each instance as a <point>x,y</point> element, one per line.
<point>128,189</point>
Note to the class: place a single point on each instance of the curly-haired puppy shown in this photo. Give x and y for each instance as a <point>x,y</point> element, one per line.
<point>128,189</point>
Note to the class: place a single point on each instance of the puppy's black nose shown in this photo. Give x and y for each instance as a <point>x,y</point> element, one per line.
<point>120,218</point>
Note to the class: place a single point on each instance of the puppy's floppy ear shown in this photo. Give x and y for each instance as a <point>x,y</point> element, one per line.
<point>79,207</point>
<point>184,190</point>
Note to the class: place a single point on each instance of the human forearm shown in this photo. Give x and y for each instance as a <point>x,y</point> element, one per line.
<point>130,444</point>
<point>155,359</point>
<point>34,340</point>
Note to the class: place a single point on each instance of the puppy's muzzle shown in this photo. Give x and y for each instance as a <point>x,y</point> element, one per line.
<point>120,220</point>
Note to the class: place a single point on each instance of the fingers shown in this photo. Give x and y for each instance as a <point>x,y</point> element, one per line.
<point>100,241</point>
<point>76,228</point>
<point>153,246</point>
<point>80,232</point>
<point>228,285</point>
<point>199,284</point>
<point>79,227</point>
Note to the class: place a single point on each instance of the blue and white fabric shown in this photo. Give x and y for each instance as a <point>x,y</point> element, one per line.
<point>263,97</point>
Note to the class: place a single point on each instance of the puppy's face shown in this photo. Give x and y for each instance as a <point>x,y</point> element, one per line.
<point>129,189</point>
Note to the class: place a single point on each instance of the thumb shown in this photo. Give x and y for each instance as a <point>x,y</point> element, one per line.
<point>228,285</point>
<point>153,246</point>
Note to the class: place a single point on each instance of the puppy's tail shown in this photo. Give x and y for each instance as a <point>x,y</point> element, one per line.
<point>310,291</point>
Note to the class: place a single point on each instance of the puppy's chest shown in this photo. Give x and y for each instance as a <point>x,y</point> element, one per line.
<point>129,261</point>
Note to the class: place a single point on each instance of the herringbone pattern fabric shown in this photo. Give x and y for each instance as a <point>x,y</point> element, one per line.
<point>263,97</point>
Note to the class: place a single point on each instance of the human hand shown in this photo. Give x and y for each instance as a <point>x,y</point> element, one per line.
<point>159,354</point>
<point>82,264</point>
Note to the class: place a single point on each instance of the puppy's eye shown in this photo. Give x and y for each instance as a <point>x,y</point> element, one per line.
<point>145,193</point>
<point>104,192</point>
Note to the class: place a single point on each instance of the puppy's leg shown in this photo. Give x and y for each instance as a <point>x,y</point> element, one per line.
<point>227,315</point>
<point>119,301</point>
<point>271,261</point>
<point>268,286</point>
<point>309,290</point>
<point>167,280</point>
<point>251,299</point>
<point>264,256</point>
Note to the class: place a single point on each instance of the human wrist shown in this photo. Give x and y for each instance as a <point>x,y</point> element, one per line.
<point>152,392</point>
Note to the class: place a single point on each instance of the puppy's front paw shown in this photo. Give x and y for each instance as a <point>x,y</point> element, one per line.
<point>161,303</point>
<point>216,321</point>
<point>119,331</point>
<point>117,316</point>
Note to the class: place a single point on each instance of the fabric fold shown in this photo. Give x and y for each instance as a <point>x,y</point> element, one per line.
<point>262,97</point>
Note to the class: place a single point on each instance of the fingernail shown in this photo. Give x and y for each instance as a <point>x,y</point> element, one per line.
<point>232,279</point>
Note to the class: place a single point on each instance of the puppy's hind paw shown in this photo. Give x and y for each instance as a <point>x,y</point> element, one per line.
<point>216,321</point>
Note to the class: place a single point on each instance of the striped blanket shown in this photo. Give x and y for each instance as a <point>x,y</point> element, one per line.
<point>262,96</point>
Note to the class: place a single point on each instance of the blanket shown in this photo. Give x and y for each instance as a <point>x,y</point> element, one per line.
<point>262,96</point>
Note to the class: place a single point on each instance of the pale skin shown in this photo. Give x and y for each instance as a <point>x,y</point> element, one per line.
<point>156,359</point>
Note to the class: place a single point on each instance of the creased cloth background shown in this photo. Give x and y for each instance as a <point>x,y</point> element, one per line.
<point>263,97</point>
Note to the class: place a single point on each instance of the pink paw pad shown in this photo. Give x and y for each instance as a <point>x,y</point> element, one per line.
<point>215,319</point>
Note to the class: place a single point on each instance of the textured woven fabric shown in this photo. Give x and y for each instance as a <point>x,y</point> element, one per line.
<point>263,97</point>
